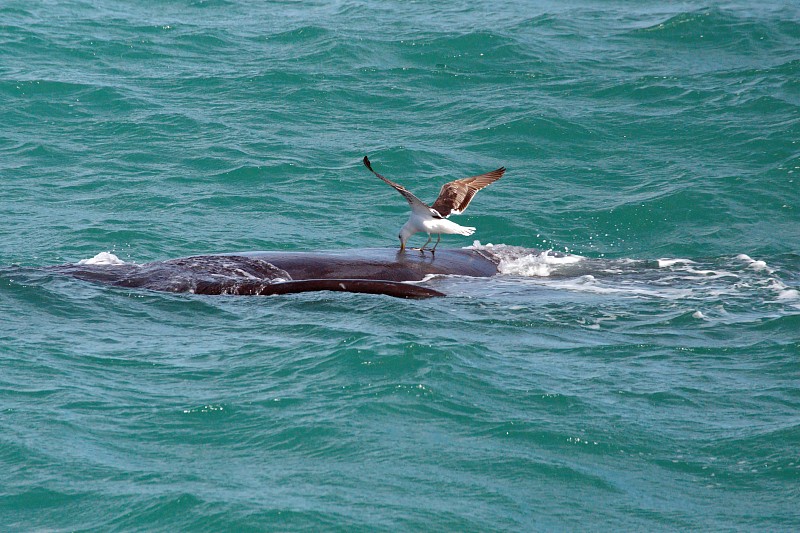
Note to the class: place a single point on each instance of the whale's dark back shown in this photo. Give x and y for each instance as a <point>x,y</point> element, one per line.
<point>374,271</point>
<point>379,264</point>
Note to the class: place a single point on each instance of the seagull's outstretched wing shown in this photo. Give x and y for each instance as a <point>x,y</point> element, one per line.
<point>413,201</point>
<point>456,195</point>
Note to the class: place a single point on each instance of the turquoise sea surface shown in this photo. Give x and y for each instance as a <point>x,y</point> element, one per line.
<point>652,384</point>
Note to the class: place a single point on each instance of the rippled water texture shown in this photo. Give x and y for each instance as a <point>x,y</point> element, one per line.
<point>650,385</point>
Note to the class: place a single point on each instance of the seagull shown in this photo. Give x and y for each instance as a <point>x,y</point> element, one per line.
<point>453,199</point>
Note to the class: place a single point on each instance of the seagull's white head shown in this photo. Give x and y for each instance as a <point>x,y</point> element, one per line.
<point>405,232</point>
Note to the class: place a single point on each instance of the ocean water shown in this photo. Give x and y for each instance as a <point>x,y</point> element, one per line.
<point>652,383</point>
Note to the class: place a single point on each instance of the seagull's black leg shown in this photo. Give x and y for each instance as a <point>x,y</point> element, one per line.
<point>437,243</point>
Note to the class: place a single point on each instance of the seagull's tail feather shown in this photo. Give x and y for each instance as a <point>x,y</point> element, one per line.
<point>466,231</point>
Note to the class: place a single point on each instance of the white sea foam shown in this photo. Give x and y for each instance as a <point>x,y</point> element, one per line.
<point>540,265</point>
<point>518,261</point>
<point>754,263</point>
<point>681,278</point>
<point>103,258</point>
<point>708,274</point>
<point>665,263</point>
<point>686,266</point>
<point>425,279</point>
<point>590,285</point>
<point>789,294</point>
<point>785,293</point>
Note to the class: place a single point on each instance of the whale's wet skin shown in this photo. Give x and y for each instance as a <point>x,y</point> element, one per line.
<point>373,271</point>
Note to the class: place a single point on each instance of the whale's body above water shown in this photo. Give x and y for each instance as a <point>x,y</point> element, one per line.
<point>374,271</point>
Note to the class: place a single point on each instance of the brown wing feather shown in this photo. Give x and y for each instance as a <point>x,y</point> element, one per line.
<point>456,195</point>
<point>413,201</point>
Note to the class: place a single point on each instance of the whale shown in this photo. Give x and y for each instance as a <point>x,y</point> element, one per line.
<point>384,271</point>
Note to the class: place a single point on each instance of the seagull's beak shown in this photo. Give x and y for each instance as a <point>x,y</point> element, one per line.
<point>402,245</point>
